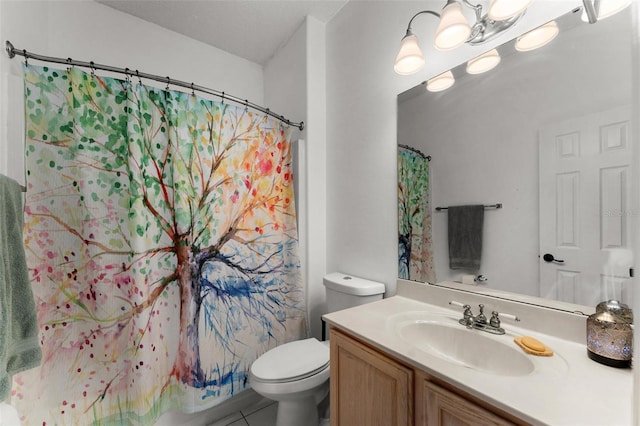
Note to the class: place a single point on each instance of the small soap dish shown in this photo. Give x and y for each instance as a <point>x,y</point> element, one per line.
<point>533,346</point>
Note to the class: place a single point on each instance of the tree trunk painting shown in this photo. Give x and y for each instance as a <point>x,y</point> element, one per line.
<point>161,238</point>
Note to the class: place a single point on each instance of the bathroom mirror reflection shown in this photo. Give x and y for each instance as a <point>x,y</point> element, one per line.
<point>547,134</point>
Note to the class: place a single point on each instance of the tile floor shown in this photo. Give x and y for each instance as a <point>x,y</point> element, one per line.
<point>261,414</point>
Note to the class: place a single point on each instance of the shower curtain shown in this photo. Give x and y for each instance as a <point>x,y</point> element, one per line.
<point>161,241</point>
<point>415,253</point>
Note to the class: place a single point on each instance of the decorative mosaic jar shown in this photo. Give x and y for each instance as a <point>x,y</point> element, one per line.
<point>610,335</point>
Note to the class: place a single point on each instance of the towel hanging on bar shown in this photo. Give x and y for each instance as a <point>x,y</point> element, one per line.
<point>19,342</point>
<point>465,225</point>
<point>22,187</point>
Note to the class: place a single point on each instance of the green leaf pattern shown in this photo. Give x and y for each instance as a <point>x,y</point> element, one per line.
<point>161,240</point>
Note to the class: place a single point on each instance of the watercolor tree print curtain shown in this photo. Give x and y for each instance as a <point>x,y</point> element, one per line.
<point>415,253</point>
<point>161,237</point>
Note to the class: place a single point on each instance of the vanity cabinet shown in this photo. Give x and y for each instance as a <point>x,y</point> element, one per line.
<point>437,405</point>
<point>370,388</point>
<point>367,387</point>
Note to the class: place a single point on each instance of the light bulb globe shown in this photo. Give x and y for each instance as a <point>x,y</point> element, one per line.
<point>501,10</point>
<point>441,82</point>
<point>453,29</point>
<point>410,59</point>
<point>537,37</point>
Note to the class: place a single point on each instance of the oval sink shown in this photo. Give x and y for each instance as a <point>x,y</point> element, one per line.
<point>470,348</point>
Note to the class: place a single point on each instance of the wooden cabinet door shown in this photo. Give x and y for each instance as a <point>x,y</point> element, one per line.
<point>367,388</point>
<point>445,408</point>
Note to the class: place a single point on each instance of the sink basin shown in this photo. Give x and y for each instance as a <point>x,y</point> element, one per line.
<point>469,348</point>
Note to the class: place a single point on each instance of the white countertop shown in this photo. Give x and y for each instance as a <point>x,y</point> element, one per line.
<point>565,389</point>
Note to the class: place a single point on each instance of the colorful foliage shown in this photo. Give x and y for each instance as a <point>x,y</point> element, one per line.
<point>161,239</point>
<point>415,257</point>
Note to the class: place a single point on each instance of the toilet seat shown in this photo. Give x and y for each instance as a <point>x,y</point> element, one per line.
<point>291,362</point>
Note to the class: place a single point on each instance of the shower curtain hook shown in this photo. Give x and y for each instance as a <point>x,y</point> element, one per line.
<point>284,121</point>
<point>168,82</point>
<point>222,98</point>
<point>246,106</point>
<point>126,75</point>
<point>93,69</point>
<point>138,75</point>
<point>26,57</point>
<point>266,115</point>
<point>70,63</point>
<point>193,93</point>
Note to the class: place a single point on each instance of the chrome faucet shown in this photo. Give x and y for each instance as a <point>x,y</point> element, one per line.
<point>479,322</point>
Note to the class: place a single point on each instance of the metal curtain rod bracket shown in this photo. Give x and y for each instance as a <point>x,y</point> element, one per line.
<point>487,206</point>
<point>12,52</point>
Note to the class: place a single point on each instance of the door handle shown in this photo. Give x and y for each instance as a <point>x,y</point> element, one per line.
<point>548,257</point>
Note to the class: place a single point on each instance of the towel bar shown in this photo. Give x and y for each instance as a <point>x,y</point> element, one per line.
<point>489,206</point>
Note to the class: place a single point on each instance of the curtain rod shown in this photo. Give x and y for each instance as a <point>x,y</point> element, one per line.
<point>12,52</point>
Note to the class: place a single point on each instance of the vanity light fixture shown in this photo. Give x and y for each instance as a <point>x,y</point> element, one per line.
<point>441,82</point>
<point>537,37</point>
<point>484,62</point>
<point>454,29</point>
<point>595,10</point>
<point>410,58</point>
<point>505,9</point>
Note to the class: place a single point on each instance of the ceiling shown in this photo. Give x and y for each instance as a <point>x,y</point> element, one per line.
<point>251,29</point>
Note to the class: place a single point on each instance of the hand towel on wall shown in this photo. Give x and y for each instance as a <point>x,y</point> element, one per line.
<point>465,236</point>
<point>19,345</point>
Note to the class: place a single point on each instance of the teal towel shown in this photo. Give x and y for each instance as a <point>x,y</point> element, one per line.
<point>19,345</point>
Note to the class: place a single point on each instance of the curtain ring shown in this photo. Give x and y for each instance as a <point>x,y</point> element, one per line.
<point>70,63</point>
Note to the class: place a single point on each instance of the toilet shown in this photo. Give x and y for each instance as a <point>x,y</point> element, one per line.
<point>296,374</point>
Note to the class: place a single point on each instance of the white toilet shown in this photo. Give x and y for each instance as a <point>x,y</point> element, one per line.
<point>296,374</point>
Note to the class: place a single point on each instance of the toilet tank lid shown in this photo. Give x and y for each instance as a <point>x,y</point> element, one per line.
<point>352,285</point>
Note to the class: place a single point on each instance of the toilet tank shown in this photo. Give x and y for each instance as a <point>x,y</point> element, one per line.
<point>346,291</point>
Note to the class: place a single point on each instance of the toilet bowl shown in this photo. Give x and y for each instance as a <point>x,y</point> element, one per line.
<point>296,374</point>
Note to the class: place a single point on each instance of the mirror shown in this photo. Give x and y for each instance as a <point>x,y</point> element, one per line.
<point>546,134</point>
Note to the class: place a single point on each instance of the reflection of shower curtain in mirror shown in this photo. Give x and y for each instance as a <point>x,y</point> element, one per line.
<point>415,253</point>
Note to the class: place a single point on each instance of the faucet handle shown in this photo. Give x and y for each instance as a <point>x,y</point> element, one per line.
<point>495,320</point>
<point>467,316</point>
<point>467,308</point>
<point>508,316</point>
